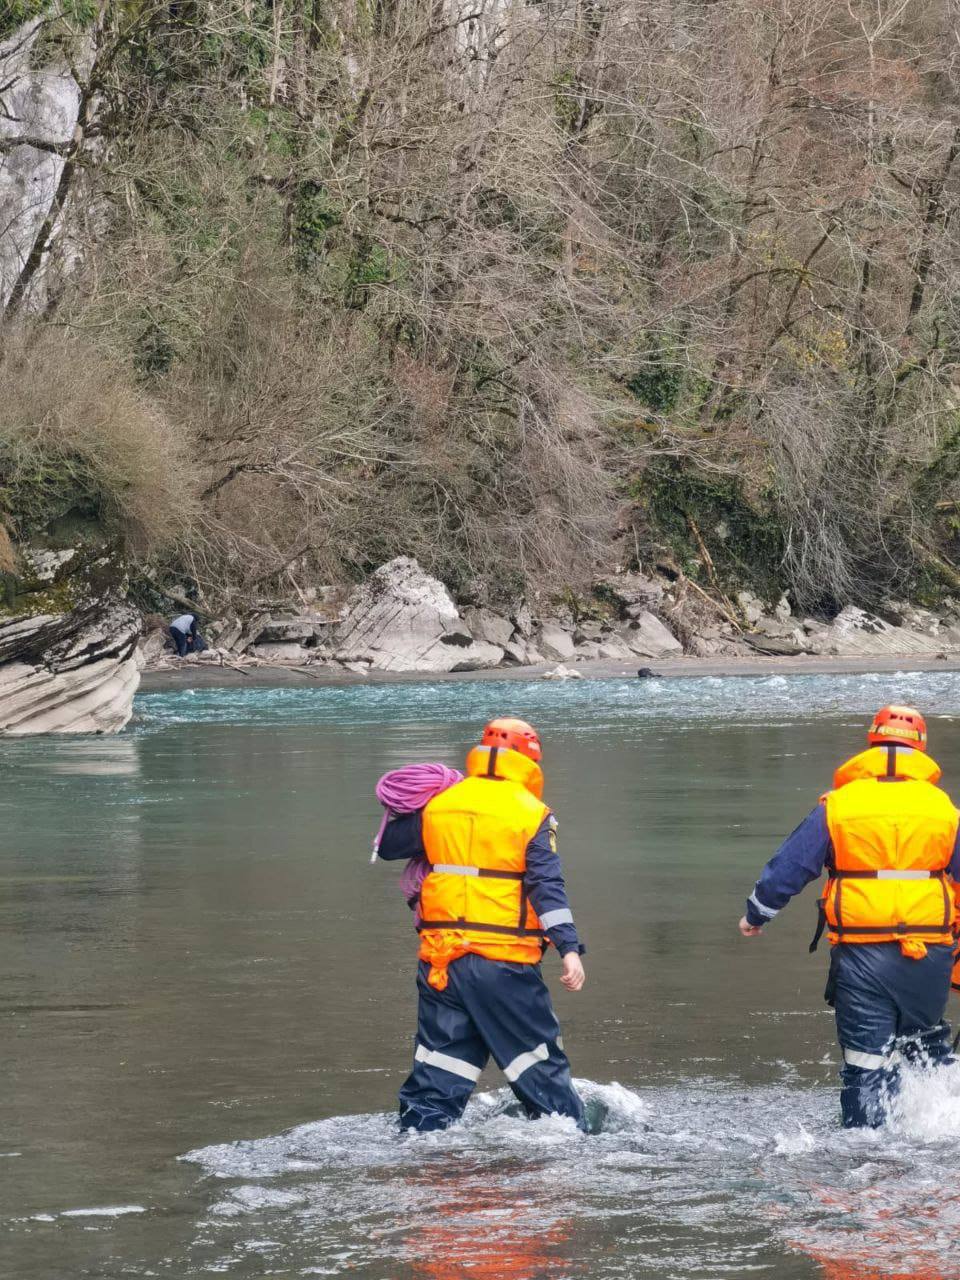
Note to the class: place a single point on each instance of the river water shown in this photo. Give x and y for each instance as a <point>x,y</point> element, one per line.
<point>208,1002</point>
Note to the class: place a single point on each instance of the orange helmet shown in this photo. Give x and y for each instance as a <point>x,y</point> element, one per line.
<point>515,734</point>
<point>900,725</point>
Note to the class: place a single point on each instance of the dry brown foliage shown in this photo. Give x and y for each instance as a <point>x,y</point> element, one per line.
<point>78,439</point>
<point>445,279</point>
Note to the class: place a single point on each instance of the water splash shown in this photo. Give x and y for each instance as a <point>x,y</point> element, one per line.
<point>716,1180</point>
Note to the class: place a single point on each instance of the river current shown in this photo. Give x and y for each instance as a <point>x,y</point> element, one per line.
<point>208,1002</point>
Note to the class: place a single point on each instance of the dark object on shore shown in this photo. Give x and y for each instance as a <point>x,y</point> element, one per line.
<point>648,673</point>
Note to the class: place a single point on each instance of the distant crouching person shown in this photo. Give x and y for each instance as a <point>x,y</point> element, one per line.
<point>186,635</point>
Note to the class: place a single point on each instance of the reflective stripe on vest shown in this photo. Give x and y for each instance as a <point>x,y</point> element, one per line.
<point>892,845</point>
<point>444,869</point>
<point>476,835</point>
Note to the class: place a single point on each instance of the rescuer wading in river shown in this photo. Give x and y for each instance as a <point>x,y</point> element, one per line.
<point>493,899</point>
<point>886,836</point>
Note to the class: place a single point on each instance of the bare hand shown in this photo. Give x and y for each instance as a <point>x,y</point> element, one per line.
<point>573,976</point>
<point>749,930</point>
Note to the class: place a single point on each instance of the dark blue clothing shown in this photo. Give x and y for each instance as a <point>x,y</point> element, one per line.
<point>889,1007</point>
<point>543,878</point>
<point>490,1008</point>
<point>187,642</point>
<point>802,857</point>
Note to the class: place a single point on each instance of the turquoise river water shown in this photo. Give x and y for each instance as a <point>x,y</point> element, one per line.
<point>207,1001</point>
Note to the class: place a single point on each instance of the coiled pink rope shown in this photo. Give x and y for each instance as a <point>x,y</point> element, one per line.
<point>408,789</point>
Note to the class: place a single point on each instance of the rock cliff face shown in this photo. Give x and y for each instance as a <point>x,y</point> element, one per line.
<point>69,673</point>
<point>68,645</point>
<point>39,114</point>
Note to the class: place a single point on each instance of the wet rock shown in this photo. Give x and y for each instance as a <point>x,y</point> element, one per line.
<point>555,643</point>
<point>648,637</point>
<point>648,673</point>
<point>408,621</point>
<point>562,673</point>
<point>70,673</point>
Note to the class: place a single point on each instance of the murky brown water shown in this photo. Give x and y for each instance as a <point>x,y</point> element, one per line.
<point>195,956</point>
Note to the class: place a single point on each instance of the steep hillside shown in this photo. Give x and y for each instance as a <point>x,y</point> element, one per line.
<point>525,290</point>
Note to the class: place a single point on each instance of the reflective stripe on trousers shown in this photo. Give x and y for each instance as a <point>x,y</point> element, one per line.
<point>444,1062</point>
<point>489,1009</point>
<point>515,1069</point>
<point>865,1061</point>
<point>889,1008</point>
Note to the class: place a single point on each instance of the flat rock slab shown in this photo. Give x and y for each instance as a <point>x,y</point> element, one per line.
<point>856,633</point>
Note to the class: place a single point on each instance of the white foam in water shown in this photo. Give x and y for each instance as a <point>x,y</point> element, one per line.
<point>109,1211</point>
<point>927,1107</point>
<point>737,699</point>
<point>799,1142</point>
<point>712,1179</point>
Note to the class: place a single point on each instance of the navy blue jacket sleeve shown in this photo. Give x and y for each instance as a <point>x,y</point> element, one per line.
<point>402,837</point>
<point>543,882</point>
<point>954,867</point>
<point>800,859</point>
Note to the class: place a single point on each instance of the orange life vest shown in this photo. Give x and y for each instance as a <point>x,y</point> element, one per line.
<point>893,834</point>
<point>476,835</point>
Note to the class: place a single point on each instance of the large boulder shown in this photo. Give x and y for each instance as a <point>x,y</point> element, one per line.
<point>647,637</point>
<point>69,673</point>
<point>489,627</point>
<point>405,620</point>
<point>555,642</point>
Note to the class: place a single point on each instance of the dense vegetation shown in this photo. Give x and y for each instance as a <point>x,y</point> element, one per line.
<point>518,288</point>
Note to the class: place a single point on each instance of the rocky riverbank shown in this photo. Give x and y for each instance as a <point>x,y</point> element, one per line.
<point>72,646</point>
<point>402,621</point>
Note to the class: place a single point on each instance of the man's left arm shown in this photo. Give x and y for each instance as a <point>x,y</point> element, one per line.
<point>546,891</point>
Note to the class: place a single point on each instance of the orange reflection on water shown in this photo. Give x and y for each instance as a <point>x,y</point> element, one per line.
<point>477,1226</point>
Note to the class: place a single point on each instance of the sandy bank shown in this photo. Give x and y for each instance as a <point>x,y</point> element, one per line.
<point>191,675</point>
